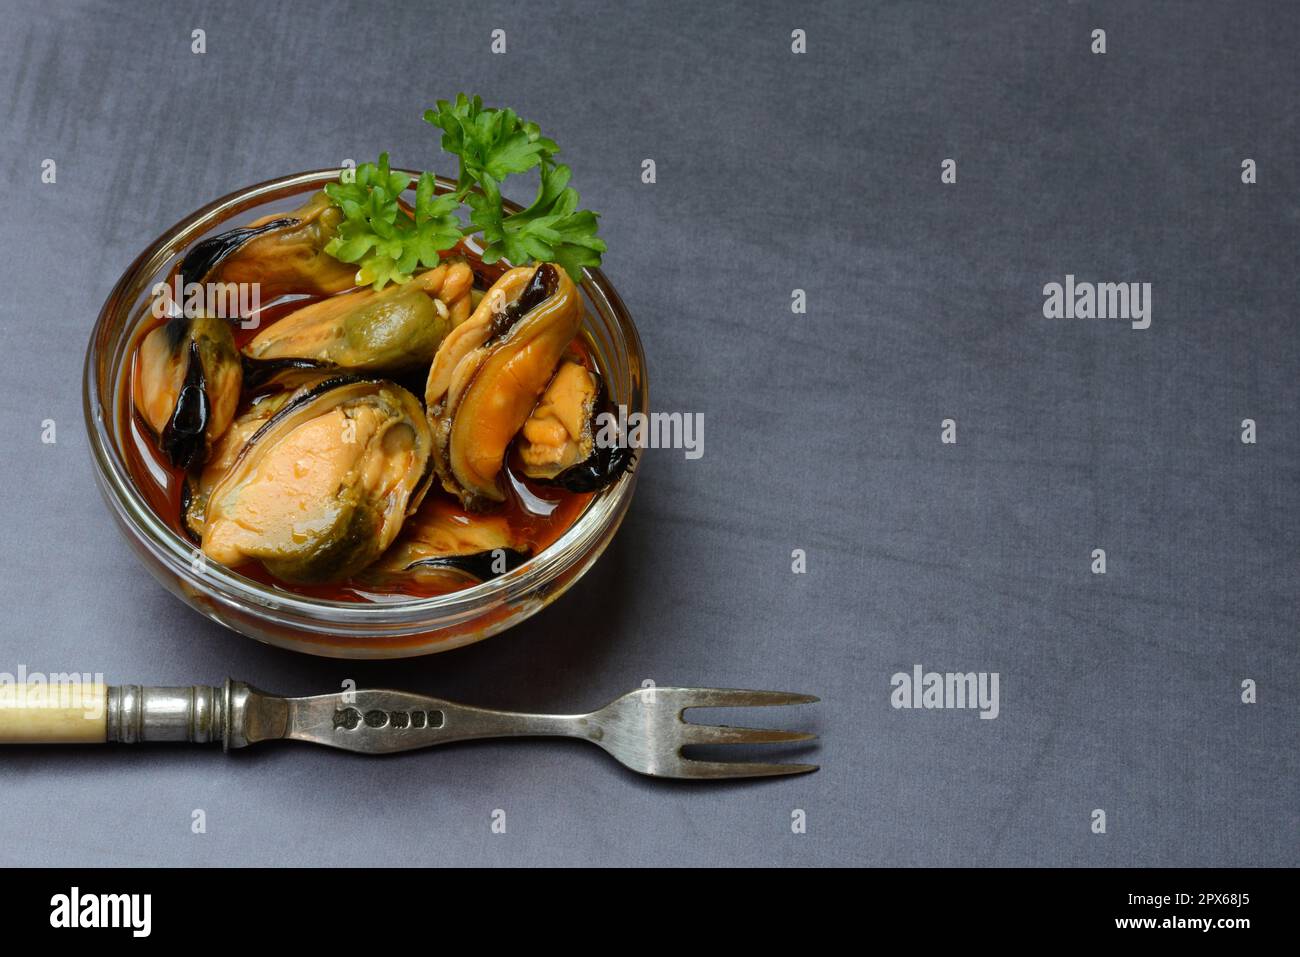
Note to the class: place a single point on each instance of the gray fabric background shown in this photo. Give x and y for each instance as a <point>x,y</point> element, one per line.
<point>775,171</point>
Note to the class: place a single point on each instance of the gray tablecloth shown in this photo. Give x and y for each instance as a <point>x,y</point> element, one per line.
<point>776,171</point>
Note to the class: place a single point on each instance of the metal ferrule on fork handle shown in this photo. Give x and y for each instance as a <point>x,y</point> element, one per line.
<point>234,713</point>
<point>140,713</point>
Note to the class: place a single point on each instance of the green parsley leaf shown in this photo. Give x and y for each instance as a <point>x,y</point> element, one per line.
<point>379,236</point>
<point>493,144</point>
<point>387,244</point>
<point>552,229</point>
<point>489,142</point>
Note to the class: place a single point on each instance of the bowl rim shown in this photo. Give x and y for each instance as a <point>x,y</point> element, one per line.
<point>177,553</point>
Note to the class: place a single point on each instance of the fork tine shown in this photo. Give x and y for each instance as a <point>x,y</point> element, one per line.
<point>725,734</point>
<point>733,697</point>
<point>737,769</point>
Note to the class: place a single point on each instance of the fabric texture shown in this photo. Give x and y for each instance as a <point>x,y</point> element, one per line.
<point>776,171</point>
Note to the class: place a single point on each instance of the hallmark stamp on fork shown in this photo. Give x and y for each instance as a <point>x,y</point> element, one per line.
<point>349,719</point>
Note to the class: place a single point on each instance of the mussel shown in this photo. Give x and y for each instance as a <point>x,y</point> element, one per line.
<point>390,332</point>
<point>559,433</point>
<point>442,545</point>
<point>187,385</point>
<point>322,488</point>
<point>558,446</point>
<point>283,388</point>
<point>282,254</point>
<point>489,373</point>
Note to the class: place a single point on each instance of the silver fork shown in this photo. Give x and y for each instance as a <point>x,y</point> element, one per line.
<point>644,730</point>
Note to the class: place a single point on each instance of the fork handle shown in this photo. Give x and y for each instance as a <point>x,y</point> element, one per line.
<point>41,713</point>
<point>238,715</point>
<point>94,713</point>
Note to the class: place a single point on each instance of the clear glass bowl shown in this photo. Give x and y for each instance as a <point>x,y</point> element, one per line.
<point>339,629</point>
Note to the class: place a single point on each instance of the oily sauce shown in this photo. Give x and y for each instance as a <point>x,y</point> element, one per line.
<point>537,514</point>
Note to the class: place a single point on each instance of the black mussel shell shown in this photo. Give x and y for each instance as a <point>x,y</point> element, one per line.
<point>207,255</point>
<point>477,566</point>
<point>541,286</point>
<point>183,438</point>
<point>260,372</point>
<point>601,468</point>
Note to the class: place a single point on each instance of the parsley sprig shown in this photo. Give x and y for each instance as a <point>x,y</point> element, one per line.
<point>491,145</point>
<point>378,235</point>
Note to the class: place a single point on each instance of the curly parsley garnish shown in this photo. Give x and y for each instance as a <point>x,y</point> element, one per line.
<point>378,235</point>
<point>491,145</point>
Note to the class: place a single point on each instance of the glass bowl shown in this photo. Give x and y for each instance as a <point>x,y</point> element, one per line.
<point>339,629</point>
